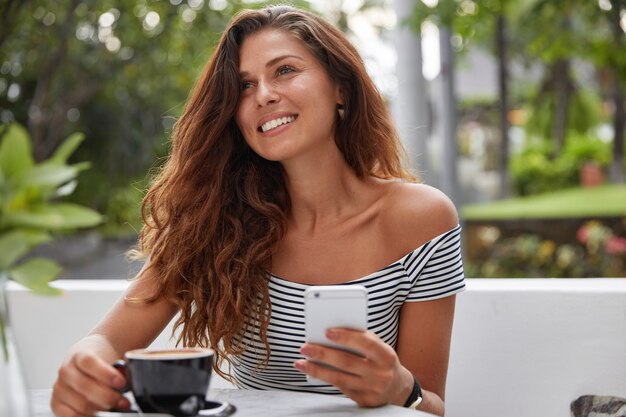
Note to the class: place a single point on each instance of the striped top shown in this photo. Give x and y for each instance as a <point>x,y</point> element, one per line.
<point>433,270</point>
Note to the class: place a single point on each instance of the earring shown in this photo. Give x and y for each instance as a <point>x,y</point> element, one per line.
<point>340,111</point>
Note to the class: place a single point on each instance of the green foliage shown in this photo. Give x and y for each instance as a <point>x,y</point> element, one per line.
<point>122,80</point>
<point>123,211</point>
<point>529,256</point>
<point>597,252</point>
<point>583,113</point>
<point>30,211</point>
<point>552,36</point>
<point>535,170</point>
<point>583,148</point>
<point>557,28</point>
<point>473,21</point>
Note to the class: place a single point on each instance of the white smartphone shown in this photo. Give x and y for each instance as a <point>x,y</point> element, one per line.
<point>331,306</point>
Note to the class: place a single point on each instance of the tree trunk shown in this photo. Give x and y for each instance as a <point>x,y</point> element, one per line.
<point>449,179</point>
<point>9,9</point>
<point>410,107</point>
<point>42,108</point>
<point>503,80</point>
<point>616,173</point>
<point>617,164</point>
<point>562,93</point>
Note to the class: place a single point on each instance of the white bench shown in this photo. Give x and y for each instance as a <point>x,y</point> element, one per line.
<point>520,347</point>
<point>528,347</point>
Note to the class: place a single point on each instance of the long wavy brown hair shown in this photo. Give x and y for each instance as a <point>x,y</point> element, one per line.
<point>216,210</point>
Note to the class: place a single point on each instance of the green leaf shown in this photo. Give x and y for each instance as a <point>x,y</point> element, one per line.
<point>15,152</point>
<point>66,189</point>
<point>36,237</point>
<point>17,243</point>
<point>36,274</point>
<point>66,149</point>
<point>53,217</point>
<point>13,245</point>
<point>78,216</point>
<point>48,175</point>
<point>81,166</point>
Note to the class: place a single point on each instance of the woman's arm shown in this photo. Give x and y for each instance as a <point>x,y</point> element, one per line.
<point>131,323</point>
<point>424,347</point>
<point>425,326</point>
<point>86,380</point>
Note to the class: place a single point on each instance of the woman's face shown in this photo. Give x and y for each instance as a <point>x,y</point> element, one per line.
<point>288,103</point>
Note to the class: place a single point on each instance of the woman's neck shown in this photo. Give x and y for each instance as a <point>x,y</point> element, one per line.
<point>323,191</point>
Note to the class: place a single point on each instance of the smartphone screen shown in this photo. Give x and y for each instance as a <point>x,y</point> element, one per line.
<point>327,307</point>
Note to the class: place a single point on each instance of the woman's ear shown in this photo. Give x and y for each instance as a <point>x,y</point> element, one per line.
<point>339,95</point>
<point>340,106</point>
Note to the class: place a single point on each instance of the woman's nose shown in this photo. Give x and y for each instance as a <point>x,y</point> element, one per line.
<point>266,94</point>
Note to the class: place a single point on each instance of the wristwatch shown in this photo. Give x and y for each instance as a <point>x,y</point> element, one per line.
<point>415,398</point>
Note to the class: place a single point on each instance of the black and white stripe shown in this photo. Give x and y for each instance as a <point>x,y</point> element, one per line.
<point>434,270</point>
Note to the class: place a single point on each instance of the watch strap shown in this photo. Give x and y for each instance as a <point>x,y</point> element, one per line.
<point>415,398</point>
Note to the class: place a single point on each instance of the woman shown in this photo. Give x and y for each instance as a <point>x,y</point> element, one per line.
<point>286,172</point>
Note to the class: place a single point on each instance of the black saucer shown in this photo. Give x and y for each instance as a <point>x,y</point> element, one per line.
<point>218,409</point>
<point>212,408</point>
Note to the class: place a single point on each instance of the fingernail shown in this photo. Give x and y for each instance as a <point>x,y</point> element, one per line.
<point>300,365</point>
<point>123,404</point>
<point>119,382</point>
<point>307,350</point>
<point>331,334</point>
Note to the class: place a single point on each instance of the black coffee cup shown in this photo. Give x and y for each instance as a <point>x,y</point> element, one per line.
<point>173,381</point>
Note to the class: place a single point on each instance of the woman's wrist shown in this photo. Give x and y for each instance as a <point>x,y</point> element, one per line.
<point>415,397</point>
<point>404,390</point>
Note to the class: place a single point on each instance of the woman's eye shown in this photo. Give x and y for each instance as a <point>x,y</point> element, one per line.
<point>245,85</point>
<point>285,69</point>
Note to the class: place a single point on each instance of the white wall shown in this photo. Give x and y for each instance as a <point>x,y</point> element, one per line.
<point>520,348</point>
<point>525,348</point>
<point>45,328</point>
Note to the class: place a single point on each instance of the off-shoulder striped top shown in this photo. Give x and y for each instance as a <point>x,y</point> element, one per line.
<point>433,270</point>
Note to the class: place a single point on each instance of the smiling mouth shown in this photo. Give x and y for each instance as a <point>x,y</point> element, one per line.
<point>273,124</point>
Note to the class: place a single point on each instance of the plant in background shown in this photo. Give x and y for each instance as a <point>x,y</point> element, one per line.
<point>535,170</point>
<point>598,252</point>
<point>605,252</point>
<point>122,215</point>
<point>30,211</point>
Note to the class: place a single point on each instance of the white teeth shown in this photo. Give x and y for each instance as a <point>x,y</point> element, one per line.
<point>272,124</point>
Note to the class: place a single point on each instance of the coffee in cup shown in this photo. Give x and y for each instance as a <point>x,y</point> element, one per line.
<point>173,381</point>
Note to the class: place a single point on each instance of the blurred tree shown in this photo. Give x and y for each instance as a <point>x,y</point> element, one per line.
<point>485,22</point>
<point>8,10</point>
<point>341,12</point>
<point>560,103</point>
<point>553,33</point>
<point>605,47</point>
<point>117,71</point>
<point>594,32</point>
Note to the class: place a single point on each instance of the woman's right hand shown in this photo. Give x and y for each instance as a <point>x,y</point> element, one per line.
<point>87,383</point>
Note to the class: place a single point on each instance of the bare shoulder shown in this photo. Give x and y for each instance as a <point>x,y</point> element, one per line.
<point>413,214</point>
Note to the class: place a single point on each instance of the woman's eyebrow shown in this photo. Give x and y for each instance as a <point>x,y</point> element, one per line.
<point>272,62</point>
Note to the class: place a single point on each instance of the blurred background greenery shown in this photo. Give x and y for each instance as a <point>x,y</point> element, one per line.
<point>120,71</point>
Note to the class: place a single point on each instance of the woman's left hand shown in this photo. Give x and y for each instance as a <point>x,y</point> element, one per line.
<point>376,379</point>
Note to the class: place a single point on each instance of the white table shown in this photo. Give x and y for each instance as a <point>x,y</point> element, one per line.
<point>253,403</point>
